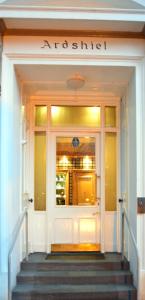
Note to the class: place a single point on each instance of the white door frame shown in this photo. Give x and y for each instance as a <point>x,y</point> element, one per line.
<point>51,168</point>
<point>50,131</point>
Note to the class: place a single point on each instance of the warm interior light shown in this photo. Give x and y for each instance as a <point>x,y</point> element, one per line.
<point>54,110</point>
<point>75,116</point>
<point>87,162</point>
<point>64,162</point>
<point>95,112</point>
<point>40,115</point>
<point>95,109</point>
<point>23,111</point>
<point>43,110</point>
<point>87,226</point>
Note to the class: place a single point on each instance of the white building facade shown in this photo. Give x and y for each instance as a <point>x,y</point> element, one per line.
<point>72,75</point>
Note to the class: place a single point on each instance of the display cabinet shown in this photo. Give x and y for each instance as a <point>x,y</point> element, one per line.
<point>62,188</point>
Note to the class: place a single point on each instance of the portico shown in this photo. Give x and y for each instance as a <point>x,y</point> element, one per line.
<point>35,70</point>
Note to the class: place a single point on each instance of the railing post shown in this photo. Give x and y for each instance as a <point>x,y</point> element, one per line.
<point>9,277</point>
<point>122,233</point>
<point>122,227</point>
<point>16,232</point>
<point>26,224</point>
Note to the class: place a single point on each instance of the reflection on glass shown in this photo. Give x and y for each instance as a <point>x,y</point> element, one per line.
<point>110,116</point>
<point>40,171</point>
<point>75,171</point>
<point>40,115</point>
<point>75,116</point>
<point>110,171</point>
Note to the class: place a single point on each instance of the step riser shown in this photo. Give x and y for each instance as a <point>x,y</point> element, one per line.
<point>73,267</point>
<point>80,296</point>
<point>127,279</point>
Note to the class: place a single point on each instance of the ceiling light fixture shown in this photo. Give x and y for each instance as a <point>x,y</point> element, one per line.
<point>75,82</point>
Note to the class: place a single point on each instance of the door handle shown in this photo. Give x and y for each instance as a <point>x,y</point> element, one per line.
<point>30,200</point>
<point>95,213</point>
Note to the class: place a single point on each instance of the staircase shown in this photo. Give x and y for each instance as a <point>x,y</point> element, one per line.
<point>74,276</point>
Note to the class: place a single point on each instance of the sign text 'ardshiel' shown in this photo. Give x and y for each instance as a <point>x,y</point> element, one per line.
<point>74,45</point>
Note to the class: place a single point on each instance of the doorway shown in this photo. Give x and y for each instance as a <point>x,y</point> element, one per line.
<point>40,108</point>
<point>75,175</point>
<point>75,213</point>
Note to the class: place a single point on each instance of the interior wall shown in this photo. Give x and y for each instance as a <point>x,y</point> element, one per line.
<point>10,168</point>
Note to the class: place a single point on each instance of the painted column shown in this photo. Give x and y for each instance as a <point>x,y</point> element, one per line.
<point>10,166</point>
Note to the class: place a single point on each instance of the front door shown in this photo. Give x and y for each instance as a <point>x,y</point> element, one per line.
<point>72,175</point>
<point>74,198</point>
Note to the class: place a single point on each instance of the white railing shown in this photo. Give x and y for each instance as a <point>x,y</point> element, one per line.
<point>124,218</point>
<point>23,216</point>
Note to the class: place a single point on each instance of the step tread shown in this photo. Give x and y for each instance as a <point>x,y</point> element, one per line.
<point>75,273</point>
<point>41,257</point>
<point>47,289</point>
<point>82,262</point>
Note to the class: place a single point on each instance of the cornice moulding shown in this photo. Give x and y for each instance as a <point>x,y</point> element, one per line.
<point>71,8</point>
<point>35,12</point>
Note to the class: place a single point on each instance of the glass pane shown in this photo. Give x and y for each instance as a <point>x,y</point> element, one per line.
<point>75,171</point>
<point>75,116</point>
<point>40,115</point>
<point>110,171</point>
<point>40,171</point>
<point>110,116</point>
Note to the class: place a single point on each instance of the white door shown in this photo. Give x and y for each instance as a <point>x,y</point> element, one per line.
<point>73,203</point>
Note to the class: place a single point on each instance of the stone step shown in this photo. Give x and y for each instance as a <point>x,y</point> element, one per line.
<point>75,255</point>
<point>75,277</point>
<point>74,292</point>
<point>75,265</point>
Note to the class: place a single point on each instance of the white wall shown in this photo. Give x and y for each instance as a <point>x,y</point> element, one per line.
<point>1,277</point>
<point>141,190</point>
<point>132,167</point>
<point>129,162</point>
<point>133,163</point>
<point>10,167</point>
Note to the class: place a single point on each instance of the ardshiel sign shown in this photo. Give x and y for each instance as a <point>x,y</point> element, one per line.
<point>74,45</point>
<point>56,46</point>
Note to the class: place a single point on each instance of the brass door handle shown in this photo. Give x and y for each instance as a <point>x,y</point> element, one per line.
<point>95,213</point>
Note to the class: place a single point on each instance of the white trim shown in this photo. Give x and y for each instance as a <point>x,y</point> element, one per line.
<point>37,12</point>
<point>139,129</point>
<point>52,132</point>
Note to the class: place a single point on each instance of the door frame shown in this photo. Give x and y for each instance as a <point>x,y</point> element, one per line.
<point>51,168</point>
<point>50,130</point>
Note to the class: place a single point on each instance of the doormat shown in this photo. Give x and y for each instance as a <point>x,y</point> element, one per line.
<point>75,248</point>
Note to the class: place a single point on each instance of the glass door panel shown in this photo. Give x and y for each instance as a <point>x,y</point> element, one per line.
<point>40,171</point>
<point>76,116</point>
<point>75,171</point>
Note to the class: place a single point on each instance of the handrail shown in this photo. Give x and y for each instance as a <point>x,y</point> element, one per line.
<point>16,232</point>
<point>125,218</point>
